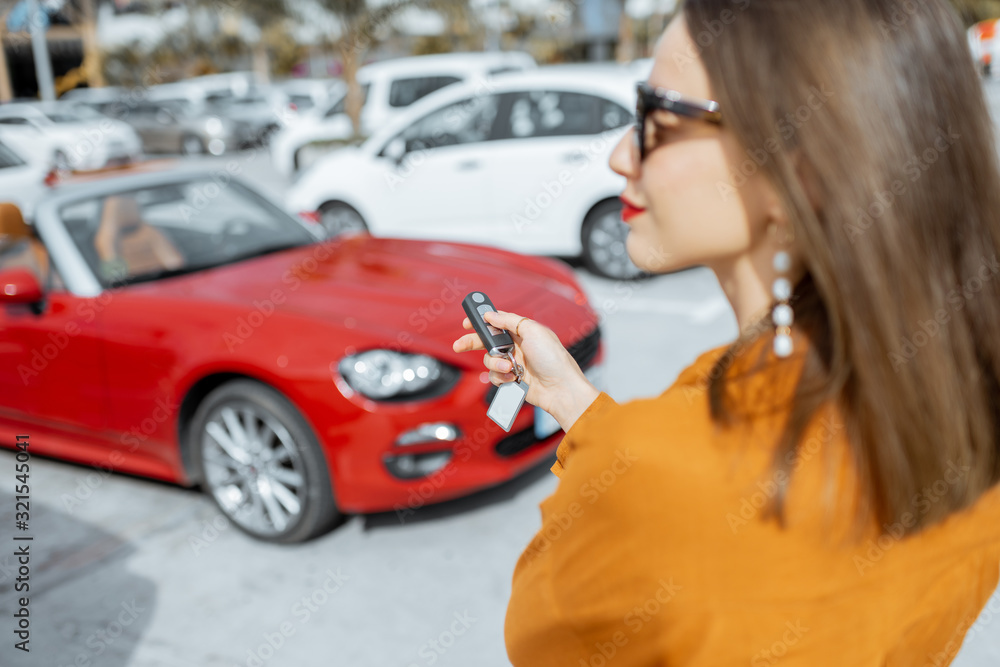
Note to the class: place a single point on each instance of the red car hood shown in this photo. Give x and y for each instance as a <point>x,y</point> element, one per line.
<point>365,281</point>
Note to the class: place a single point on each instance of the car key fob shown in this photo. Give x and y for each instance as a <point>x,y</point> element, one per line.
<point>496,341</point>
<point>510,396</point>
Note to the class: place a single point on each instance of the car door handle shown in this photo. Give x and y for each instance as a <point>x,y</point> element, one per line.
<point>575,156</point>
<point>467,165</point>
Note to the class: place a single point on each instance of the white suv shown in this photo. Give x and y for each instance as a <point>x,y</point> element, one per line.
<point>518,162</point>
<point>388,88</point>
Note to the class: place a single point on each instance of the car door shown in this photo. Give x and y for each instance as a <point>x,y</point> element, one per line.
<point>436,188</point>
<point>551,151</point>
<point>51,364</point>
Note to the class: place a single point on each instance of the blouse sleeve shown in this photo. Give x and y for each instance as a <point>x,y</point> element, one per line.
<point>570,441</point>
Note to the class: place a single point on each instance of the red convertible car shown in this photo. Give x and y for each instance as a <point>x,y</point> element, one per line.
<point>179,326</point>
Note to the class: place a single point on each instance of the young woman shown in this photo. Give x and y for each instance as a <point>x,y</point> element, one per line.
<point>824,490</point>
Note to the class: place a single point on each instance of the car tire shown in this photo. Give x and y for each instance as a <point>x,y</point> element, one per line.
<point>339,218</point>
<point>603,235</point>
<point>248,441</point>
<point>192,145</point>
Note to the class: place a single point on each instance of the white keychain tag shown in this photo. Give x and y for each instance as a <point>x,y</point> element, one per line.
<point>506,403</point>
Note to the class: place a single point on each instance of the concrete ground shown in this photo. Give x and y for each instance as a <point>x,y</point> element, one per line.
<point>129,572</point>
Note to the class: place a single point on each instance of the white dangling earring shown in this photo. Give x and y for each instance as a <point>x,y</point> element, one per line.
<point>781,290</point>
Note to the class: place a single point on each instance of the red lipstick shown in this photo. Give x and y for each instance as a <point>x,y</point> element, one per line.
<point>629,210</point>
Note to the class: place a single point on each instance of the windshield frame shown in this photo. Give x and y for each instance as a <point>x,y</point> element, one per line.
<point>83,279</point>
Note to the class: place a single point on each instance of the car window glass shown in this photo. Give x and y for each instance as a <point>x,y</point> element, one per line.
<point>550,113</point>
<point>141,234</point>
<point>301,102</point>
<point>9,158</point>
<point>404,92</point>
<point>614,115</point>
<point>340,104</point>
<point>464,122</point>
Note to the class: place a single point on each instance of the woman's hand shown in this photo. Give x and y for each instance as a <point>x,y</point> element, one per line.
<point>555,382</point>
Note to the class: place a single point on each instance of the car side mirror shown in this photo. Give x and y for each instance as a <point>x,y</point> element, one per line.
<point>20,286</point>
<point>395,150</point>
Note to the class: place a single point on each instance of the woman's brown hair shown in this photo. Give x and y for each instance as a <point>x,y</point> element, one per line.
<point>880,103</point>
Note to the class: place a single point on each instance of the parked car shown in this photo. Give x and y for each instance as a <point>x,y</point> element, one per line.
<point>177,325</point>
<point>305,93</point>
<point>388,88</point>
<point>521,166</point>
<point>22,181</point>
<point>261,109</point>
<point>185,118</point>
<point>78,136</point>
<point>103,100</point>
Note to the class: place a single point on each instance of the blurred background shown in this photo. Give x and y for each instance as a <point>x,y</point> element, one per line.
<point>169,163</point>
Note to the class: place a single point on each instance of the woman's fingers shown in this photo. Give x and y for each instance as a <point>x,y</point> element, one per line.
<point>501,378</point>
<point>503,320</point>
<point>498,364</point>
<point>468,343</point>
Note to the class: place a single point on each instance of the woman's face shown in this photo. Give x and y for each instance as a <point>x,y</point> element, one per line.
<point>694,213</point>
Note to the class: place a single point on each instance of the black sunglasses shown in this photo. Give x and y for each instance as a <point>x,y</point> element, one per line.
<point>650,97</point>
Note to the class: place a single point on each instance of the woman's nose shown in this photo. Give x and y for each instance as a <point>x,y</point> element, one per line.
<point>621,160</point>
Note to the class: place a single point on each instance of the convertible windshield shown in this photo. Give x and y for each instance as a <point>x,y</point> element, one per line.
<point>178,227</point>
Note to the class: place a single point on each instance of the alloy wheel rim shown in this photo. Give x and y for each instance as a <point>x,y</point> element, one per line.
<point>254,468</point>
<point>607,247</point>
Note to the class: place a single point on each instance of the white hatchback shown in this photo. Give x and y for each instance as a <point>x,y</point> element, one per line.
<point>518,162</point>
<point>388,88</point>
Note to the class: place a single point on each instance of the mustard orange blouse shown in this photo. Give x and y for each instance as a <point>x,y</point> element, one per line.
<point>653,549</point>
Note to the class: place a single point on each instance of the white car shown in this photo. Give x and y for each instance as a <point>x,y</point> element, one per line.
<point>22,181</point>
<point>306,94</point>
<point>521,164</point>
<point>388,88</point>
<point>76,136</point>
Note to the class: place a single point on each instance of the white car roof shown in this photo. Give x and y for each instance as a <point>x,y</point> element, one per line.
<point>446,63</point>
<point>37,109</point>
<point>616,83</point>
